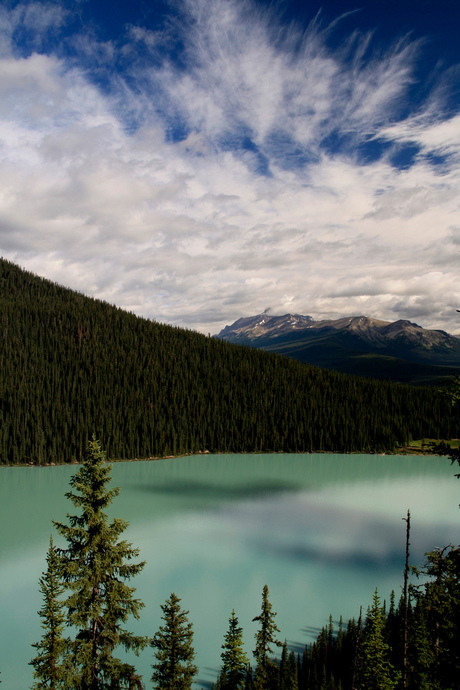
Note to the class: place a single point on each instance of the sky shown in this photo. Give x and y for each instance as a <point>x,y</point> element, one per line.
<point>196,161</point>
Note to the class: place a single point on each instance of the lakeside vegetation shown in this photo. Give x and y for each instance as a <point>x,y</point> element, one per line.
<point>412,644</point>
<point>428,446</point>
<point>77,365</point>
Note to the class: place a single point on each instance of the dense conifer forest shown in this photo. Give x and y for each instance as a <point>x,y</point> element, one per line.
<point>72,365</point>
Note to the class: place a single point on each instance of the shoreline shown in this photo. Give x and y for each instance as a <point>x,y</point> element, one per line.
<point>402,450</point>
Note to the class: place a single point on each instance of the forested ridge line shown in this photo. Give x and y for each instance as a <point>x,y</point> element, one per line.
<point>71,365</point>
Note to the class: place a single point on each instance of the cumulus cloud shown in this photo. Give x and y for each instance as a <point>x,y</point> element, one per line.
<point>198,190</point>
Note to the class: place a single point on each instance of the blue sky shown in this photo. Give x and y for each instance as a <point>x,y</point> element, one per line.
<point>195,161</point>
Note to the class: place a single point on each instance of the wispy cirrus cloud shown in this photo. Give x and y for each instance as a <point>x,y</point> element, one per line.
<point>226,162</point>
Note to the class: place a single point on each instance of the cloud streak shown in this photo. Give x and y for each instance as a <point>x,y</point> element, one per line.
<point>227,162</point>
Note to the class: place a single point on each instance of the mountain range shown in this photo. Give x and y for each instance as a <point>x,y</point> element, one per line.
<point>400,351</point>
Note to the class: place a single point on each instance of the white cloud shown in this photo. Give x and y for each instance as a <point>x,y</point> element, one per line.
<point>432,134</point>
<point>96,194</point>
<point>243,75</point>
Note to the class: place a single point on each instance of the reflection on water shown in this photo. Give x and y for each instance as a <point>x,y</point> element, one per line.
<point>321,530</point>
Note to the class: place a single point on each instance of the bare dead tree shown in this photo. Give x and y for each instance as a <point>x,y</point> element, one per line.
<point>405,599</point>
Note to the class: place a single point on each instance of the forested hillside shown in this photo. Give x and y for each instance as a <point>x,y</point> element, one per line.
<point>72,366</point>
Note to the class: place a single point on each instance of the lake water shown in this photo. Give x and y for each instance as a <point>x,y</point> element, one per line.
<point>322,531</point>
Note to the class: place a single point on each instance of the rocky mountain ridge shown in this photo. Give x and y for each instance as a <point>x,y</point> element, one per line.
<point>399,350</point>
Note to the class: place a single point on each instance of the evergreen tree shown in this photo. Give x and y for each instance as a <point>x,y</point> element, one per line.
<point>94,568</point>
<point>48,664</point>
<point>174,668</point>
<point>248,681</point>
<point>376,673</point>
<point>234,659</point>
<point>288,670</point>
<point>265,638</point>
<point>439,601</point>
<point>422,657</point>
<point>453,392</point>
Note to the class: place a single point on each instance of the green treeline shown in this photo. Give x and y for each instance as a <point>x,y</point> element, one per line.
<point>414,645</point>
<point>74,364</point>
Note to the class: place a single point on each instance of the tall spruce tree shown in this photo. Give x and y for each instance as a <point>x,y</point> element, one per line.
<point>174,668</point>
<point>288,670</point>
<point>234,659</point>
<point>265,637</point>
<point>49,662</point>
<point>94,567</point>
<point>377,673</point>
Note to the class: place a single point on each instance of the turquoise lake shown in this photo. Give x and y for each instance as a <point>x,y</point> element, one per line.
<point>322,531</point>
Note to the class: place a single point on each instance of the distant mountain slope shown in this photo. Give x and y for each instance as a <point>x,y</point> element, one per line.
<point>401,351</point>
<point>72,366</point>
